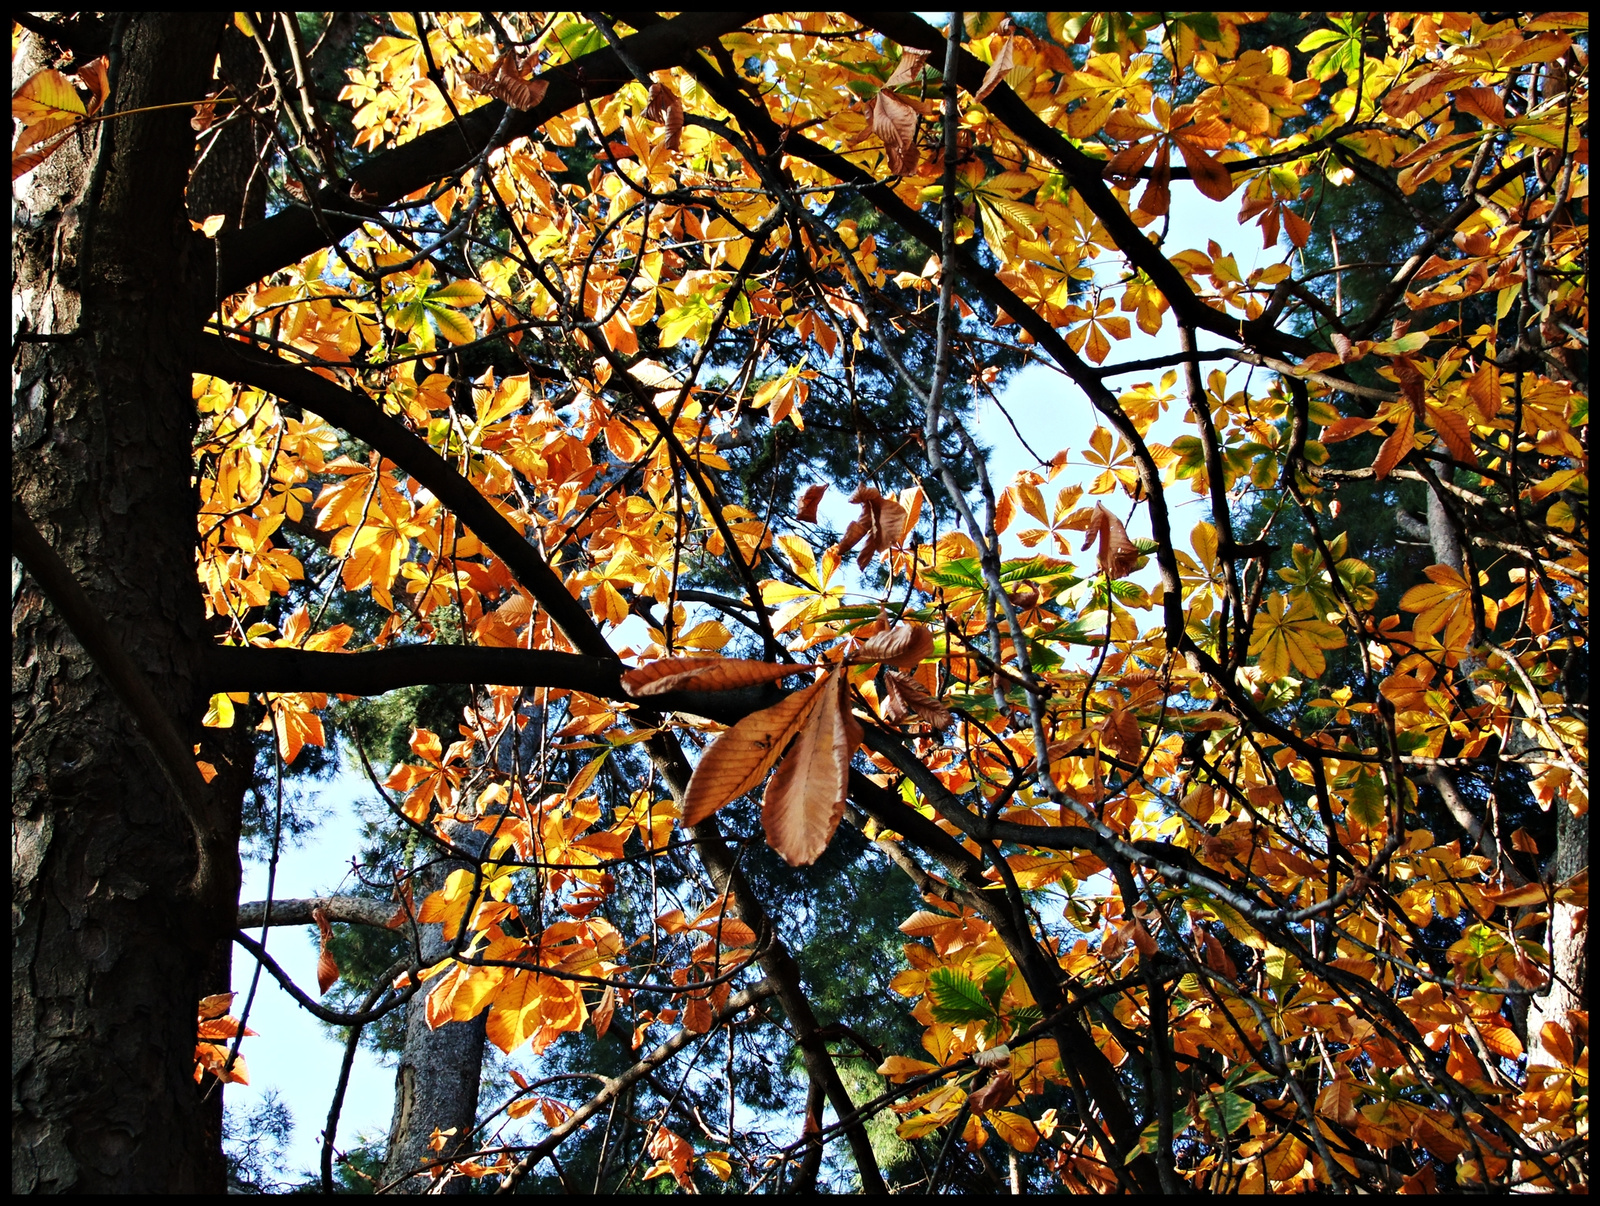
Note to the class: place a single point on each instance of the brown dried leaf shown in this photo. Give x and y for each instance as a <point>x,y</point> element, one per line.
<point>894,120</point>
<point>995,1094</point>
<point>666,109</point>
<point>1121,730</point>
<point>1210,177</point>
<point>504,81</point>
<point>882,522</point>
<point>327,972</point>
<point>904,695</point>
<point>907,69</point>
<point>804,802</point>
<point>738,759</point>
<point>1117,554</point>
<point>702,674</point>
<point>603,1012</point>
<point>1216,958</point>
<point>997,71</point>
<point>809,501</point>
<point>902,647</point>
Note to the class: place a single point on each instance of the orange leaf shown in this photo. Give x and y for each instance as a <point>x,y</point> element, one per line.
<point>702,674</point>
<point>1117,553</point>
<point>738,759</point>
<point>215,1005</point>
<point>327,972</point>
<point>1454,430</point>
<point>1395,448</point>
<point>805,800</point>
<point>1210,177</point>
<point>697,1016</point>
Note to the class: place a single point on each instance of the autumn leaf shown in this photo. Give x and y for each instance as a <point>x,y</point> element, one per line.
<point>994,1094</point>
<point>327,967</point>
<point>881,523</point>
<point>1018,1132</point>
<point>894,121</point>
<point>904,696</point>
<point>1121,731</point>
<point>740,758</point>
<point>997,70</point>
<point>504,81</point>
<point>702,674</point>
<point>809,501</point>
<point>666,109</point>
<point>805,800</point>
<point>1443,605</point>
<point>908,69</point>
<point>902,646</point>
<point>1117,554</point>
<point>1292,636</point>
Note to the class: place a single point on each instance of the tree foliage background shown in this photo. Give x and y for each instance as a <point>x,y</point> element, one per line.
<point>476,398</point>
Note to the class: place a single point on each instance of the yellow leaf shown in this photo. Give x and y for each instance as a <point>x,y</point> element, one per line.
<point>899,1067</point>
<point>1292,636</point>
<point>1014,1129</point>
<point>718,1163</point>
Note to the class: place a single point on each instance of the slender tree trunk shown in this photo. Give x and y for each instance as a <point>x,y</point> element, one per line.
<point>111,947</point>
<point>436,1082</point>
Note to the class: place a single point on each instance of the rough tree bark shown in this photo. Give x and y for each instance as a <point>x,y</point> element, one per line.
<point>437,1078</point>
<point>112,927</point>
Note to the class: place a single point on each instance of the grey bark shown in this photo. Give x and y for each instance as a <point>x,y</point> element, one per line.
<point>437,1079</point>
<point>110,948</point>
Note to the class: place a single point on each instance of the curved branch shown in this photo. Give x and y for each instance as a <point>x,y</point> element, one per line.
<point>363,418</point>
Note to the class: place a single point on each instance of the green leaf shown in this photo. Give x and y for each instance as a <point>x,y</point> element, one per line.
<point>956,998</point>
<point>994,986</point>
<point>1367,801</point>
<point>1223,1113</point>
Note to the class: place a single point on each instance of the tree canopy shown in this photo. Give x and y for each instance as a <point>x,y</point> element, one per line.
<point>794,801</point>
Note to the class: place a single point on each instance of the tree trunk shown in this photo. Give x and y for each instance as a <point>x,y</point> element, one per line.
<point>111,946</point>
<point>436,1082</point>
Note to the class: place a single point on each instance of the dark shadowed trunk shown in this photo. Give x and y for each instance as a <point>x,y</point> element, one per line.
<point>114,934</point>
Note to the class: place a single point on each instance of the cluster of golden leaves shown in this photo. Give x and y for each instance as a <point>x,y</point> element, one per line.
<point>666,238</point>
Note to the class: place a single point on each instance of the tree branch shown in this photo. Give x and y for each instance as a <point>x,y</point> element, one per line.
<point>359,415</point>
<point>261,249</point>
<point>352,910</point>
